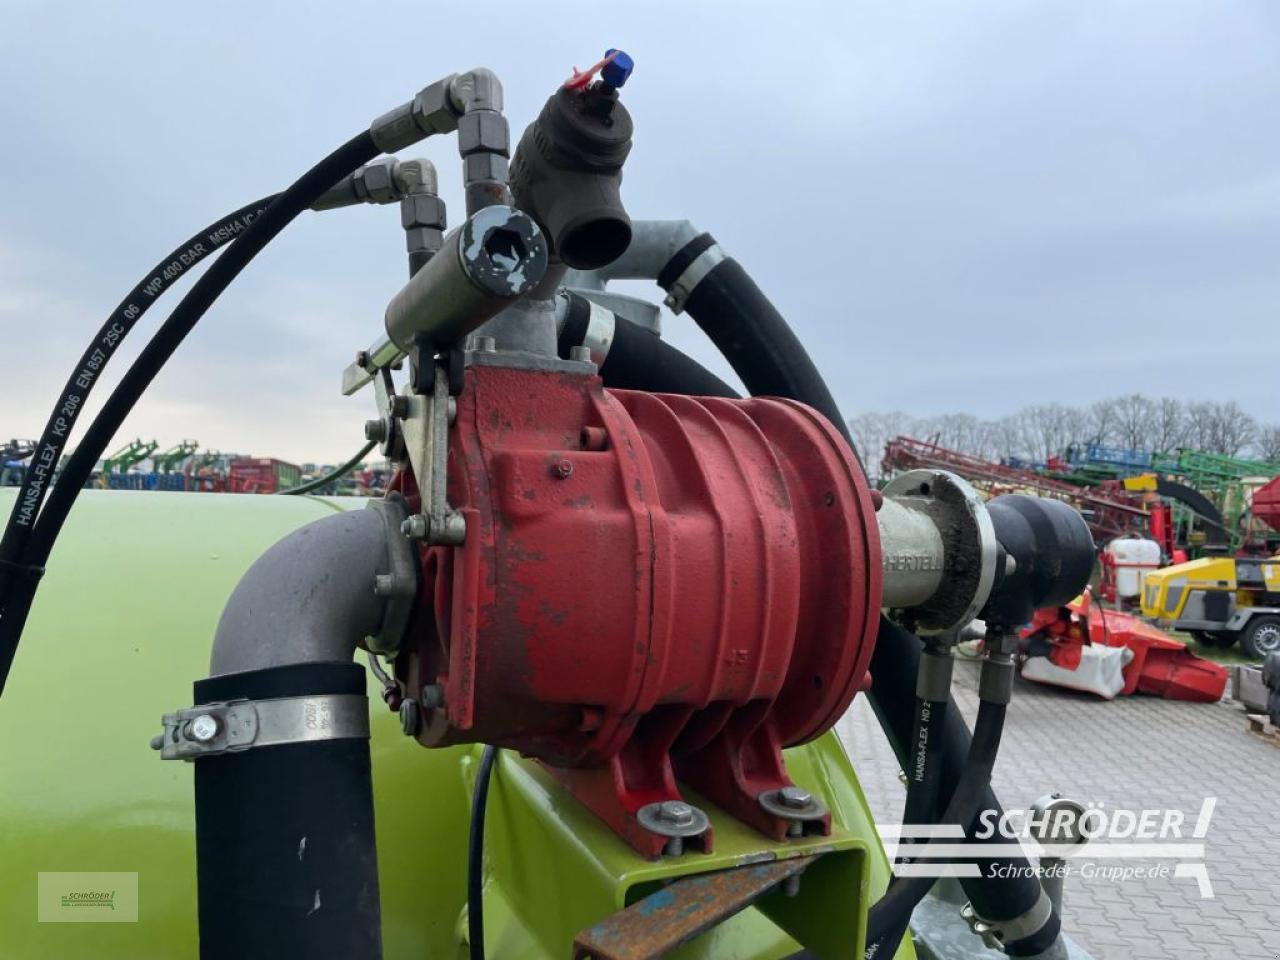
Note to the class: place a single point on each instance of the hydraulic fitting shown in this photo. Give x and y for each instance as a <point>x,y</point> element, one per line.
<point>385,180</point>
<point>433,110</point>
<point>484,140</point>
<point>567,171</point>
<point>497,256</point>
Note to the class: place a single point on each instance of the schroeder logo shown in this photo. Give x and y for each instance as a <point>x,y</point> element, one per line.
<point>87,897</point>
<point>1091,840</point>
<point>97,899</point>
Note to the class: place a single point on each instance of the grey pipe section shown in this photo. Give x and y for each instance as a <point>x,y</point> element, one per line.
<point>309,598</point>
<point>653,244</point>
<point>911,553</point>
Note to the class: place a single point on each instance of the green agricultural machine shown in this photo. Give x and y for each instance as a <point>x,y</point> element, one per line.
<point>569,688</point>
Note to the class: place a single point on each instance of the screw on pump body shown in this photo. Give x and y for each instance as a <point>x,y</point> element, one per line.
<point>796,797</point>
<point>676,812</point>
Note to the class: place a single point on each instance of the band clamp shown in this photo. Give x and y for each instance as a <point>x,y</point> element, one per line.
<point>211,729</point>
<point>600,331</point>
<point>997,933</point>
<point>679,292</point>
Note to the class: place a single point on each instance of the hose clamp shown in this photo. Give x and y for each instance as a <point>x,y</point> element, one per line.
<point>600,330</point>
<point>679,292</point>
<point>997,933</point>
<point>212,729</point>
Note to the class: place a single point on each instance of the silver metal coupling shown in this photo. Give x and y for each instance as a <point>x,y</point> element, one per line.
<point>938,549</point>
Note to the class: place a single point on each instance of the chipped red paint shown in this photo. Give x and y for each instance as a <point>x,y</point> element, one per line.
<point>651,586</point>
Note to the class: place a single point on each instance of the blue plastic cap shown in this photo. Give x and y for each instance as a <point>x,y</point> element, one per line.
<point>615,72</point>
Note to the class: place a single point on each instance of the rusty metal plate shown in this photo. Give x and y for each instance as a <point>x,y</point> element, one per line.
<point>665,919</point>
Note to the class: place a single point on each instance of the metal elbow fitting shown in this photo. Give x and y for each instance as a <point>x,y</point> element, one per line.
<point>385,180</point>
<point>567,174</point>
<point>493,259</point>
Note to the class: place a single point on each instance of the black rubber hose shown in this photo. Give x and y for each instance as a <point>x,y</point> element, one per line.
<point>475,854</point>
<point>924,782</point>
<point>640,360</point>
<point>337,473</point>
<point>892,912</point>
<point>48,450</point>
<point>1009,889</point>
<point>748,329</point>
<point>287,205</point>
<point>924,775</point>
<point>286,860</point>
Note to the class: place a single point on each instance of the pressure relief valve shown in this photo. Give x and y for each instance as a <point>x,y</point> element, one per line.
<point>567,169</point>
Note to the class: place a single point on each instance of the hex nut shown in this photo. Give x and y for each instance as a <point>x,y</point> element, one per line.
<point>483,130</point>
<point>485,166</point>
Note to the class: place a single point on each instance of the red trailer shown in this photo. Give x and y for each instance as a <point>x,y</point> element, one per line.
<point>261,475</point>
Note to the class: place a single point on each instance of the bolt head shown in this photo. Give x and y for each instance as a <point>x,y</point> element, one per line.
<point>432,696</point>
<point>375,430</point>
<point>415,527</point>
<point>563,469</point>
<point>384,585</point>
<point>203,729</point>
<point>795,797</point>
<point>399,406</point>
<point>676,812</point>
<point>410,718</point>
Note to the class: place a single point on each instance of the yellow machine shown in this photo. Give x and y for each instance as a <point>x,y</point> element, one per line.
<point>1219,600</point>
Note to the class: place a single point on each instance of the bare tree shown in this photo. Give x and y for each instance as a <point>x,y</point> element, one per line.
<point>1170,425</point>
<point>1135,420</point>
<point>1219,427</point>
<point>1268,443</point>
<point>1103,418</point>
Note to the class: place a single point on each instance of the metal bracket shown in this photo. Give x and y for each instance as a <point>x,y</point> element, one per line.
<point>656,925</point>
<point>211,729</point>
<point>425,427</point>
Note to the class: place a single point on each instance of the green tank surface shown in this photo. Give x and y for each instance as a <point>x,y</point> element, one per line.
<point>121,629</point>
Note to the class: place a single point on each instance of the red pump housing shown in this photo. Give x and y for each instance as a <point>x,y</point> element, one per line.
<point>652,587</point>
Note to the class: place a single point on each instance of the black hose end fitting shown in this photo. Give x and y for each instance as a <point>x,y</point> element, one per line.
<point>1052,555</point>
<point>567,171</point>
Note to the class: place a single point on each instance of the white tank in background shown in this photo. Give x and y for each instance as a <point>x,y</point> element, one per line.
<point>1132,558</point>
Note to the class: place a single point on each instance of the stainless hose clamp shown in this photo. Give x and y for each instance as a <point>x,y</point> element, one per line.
<point>211,729</point>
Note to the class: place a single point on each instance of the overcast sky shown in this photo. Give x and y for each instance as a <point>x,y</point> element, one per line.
<point>959,206</point>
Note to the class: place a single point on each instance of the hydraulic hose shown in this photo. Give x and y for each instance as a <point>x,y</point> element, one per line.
<point>640,360</point>
<point>48,451</point>
<point>337,473</point>
<point>475,854</point>
<point>890,914</point>
<point>287,205</point>
<point>1009,888</point>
